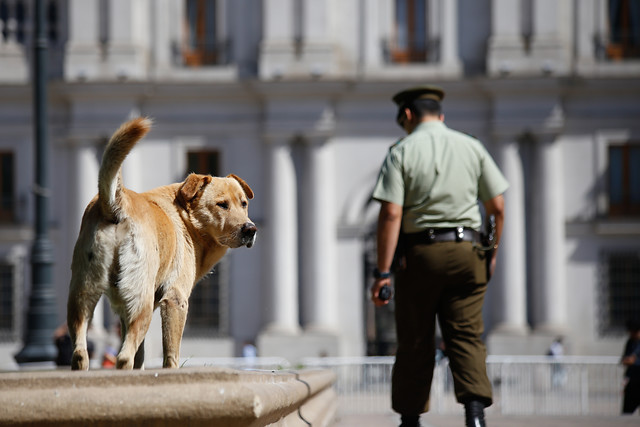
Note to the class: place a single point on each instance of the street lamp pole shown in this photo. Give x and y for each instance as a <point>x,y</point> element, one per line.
<point>41,315</point>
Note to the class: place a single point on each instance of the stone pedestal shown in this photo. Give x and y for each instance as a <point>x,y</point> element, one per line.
<point>168,397</point>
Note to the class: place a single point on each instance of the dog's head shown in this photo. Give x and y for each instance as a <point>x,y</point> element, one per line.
<point>219,207</point>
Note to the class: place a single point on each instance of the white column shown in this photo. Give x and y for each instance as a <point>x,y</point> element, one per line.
<point>550,39</point>
<point>320,290</point>
<point>128,44</point>
<point>281,298</point>
<point>373,34</point>
<point>315,20</point>
<point>87,167</point>
<point>549,274</point>
<point>449,36</point>
<point>82,59</point>
<point>278,19</point>
<point>506,48</point>
<point>586,33</point>
<point>164,34</point>
<point>510,302</point>
<point>319,56</point>
<point>276,50</point>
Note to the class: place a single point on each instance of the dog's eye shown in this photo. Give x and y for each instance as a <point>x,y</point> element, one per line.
<point>244,204</point>
<point>223,205</point>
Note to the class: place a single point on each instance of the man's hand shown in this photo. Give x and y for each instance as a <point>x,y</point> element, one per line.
<point>492,266</point>
<point>375,291</point>
<point>629,360</point>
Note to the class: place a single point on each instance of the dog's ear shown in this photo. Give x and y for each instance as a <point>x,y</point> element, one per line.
<point>191,187</point>
<point>247,190</point>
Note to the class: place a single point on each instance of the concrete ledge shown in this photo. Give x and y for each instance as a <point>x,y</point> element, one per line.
<point>163,397</point>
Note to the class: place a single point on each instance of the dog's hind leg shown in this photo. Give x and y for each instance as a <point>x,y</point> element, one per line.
<point>82,301</point>
<point>173,311</point>
<point>136,328</point>
<point>138,360</point>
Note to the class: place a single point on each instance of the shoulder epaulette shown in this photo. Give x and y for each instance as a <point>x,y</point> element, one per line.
<point>395,144</point>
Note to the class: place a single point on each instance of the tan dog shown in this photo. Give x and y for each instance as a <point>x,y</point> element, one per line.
<point>148,250</point>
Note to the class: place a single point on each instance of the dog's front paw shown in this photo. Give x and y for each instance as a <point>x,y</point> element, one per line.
<point>124,362</point>
<point>80,360</point>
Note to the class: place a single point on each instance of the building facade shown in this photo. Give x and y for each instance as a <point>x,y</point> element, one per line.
<point>294,97</point>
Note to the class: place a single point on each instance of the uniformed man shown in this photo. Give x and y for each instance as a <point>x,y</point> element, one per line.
<point>429,187</point>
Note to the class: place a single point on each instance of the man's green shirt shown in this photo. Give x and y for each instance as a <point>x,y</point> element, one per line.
<point>438,175</point>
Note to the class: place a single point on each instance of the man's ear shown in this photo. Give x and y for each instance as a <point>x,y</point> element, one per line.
<point>191,187</point>
<point>247,190</point>
<point>409,114</point>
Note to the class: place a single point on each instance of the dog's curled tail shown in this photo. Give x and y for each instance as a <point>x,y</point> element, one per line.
<point>109,178</point>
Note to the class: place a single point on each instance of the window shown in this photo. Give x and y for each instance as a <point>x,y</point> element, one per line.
<point>12,20</point>
<point>52,21</point>
<point>620,289</point>
<point>204,162</point>
<point>7,195</point>
<point>207,306</point>
<point>209,300</point>
<point>624,29</point>
<point>203,45</point>
<point>16,26</point>
<point>410,44</point>
<point>624,180</point>
<point>7,300</point>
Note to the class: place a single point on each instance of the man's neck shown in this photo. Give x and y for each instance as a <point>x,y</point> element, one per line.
<point>426,119</point>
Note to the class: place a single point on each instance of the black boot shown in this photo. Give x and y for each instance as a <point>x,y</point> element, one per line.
<point>474,413</point>
<point>410,421</point>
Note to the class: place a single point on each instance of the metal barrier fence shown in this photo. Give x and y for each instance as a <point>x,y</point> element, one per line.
<point>522,385</point>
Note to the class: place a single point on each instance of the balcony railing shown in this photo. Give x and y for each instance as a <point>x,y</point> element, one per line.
<point>16,32</point>
<point>625,47</point>
<point>203,54</point>
<point>411,53</point>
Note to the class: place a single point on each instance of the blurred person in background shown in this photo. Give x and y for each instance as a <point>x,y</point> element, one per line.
<point>631,359</point>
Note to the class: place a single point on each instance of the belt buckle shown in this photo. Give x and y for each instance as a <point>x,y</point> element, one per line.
<point>459,234</point>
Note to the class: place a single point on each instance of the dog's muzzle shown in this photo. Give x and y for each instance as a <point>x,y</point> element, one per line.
<point>249,233</point>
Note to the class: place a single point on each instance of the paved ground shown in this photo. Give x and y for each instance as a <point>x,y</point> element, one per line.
<point>492,421</point>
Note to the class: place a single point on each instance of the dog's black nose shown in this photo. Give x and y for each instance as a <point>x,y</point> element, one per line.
<point>249,229</point>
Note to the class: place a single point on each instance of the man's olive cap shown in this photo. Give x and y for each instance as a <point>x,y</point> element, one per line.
<point>420,92</point>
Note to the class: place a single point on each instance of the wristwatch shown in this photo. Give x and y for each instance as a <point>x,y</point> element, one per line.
<point>377,274</point>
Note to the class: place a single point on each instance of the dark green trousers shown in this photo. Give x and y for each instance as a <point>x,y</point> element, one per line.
<point>447,280</point>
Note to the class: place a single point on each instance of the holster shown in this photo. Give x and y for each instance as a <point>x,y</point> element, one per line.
<point>488,238</point>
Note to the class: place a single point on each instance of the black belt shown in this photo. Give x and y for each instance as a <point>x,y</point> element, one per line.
<point>434,235</point>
